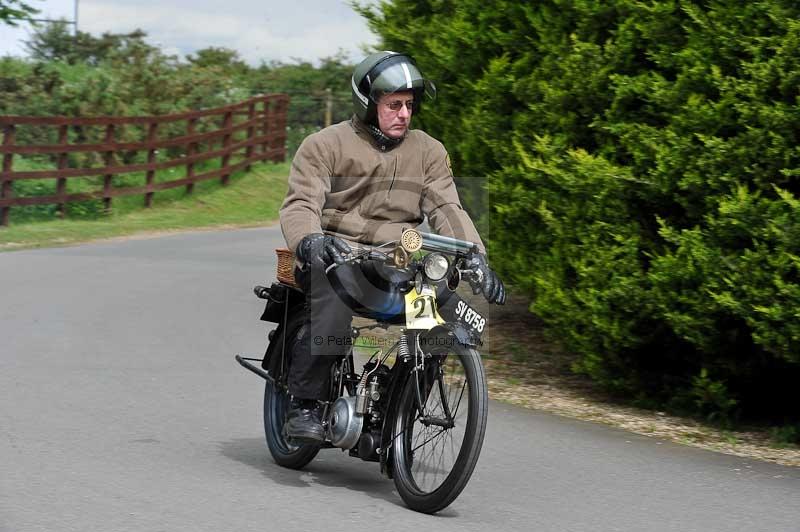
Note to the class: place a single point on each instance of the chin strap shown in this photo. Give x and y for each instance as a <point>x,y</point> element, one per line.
<point>385,143</point>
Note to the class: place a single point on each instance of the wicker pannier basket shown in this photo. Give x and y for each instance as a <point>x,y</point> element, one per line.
<point>286,266</point>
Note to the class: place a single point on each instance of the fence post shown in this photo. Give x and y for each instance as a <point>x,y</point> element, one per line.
<point>265,128</point>
<point>109,160</point>
<point>278,151</point>
<point>226,142</point>
<point>7,189</point>
<point>251,131</point>
<point>191,149</point>
<point>61,181</point>
<point>152,134</point>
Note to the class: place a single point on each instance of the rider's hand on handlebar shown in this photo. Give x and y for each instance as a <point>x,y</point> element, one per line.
<point>325,248</point>
<point>485,280</point>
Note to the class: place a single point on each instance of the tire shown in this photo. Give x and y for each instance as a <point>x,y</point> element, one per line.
<point>425,477</point>
<point>276,404</point>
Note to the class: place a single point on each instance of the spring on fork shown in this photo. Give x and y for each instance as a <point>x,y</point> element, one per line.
<point>402,347</point>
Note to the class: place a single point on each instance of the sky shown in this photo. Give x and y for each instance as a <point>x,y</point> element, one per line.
<point>260,30</point>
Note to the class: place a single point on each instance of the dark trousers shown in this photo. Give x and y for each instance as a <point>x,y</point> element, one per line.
<point>368,288</point>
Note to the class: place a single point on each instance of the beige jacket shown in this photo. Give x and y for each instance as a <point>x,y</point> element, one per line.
<point>342,183</point>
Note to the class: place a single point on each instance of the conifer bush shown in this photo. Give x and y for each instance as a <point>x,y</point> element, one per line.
<point>643,166</point>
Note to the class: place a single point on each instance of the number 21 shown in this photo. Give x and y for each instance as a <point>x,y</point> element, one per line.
<point>420,303</point>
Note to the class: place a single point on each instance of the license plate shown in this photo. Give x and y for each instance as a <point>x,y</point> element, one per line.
<point>421,309</point>
<point>454,309</point>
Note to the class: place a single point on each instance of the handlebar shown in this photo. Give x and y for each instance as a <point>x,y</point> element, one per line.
<point>432,242</point>
<point>429,242</point>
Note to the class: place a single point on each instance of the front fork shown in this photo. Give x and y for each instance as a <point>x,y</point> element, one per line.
<point>427,371</point>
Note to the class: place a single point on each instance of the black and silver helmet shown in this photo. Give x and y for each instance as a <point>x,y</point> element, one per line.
<point>385,73</point>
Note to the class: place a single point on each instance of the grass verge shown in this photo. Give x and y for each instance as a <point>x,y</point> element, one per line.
<point>252,198</point>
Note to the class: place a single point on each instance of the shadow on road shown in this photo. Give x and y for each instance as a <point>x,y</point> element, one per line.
<point>330,468</point>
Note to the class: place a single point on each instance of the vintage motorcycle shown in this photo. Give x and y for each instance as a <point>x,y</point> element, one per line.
<point>420,407</point>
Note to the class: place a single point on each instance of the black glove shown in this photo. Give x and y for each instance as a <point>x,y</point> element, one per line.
<point>485,280</point>
<point>325,248</point>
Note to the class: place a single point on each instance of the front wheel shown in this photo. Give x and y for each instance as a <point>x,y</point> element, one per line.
<point>435,448</point>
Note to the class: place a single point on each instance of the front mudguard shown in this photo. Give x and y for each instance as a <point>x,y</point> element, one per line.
<point>446,336</point>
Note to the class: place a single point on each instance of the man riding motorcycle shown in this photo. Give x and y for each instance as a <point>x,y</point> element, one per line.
<point>363,181</point>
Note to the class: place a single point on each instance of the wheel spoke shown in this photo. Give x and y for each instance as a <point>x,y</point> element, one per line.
<point>429,439</point>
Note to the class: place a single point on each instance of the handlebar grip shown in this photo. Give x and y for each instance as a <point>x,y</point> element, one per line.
<point>261,292</point>
<point>377,255</point>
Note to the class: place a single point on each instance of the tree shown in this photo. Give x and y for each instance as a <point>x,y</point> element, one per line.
<point>306,85</point>
<point>219,57</point>
<point>54,41</point>
<point>12,11</point>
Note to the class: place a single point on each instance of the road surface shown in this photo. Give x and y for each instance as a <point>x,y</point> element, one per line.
<point>122,409</point>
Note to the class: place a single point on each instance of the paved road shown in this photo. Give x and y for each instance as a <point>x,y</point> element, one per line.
<point>122,409</point>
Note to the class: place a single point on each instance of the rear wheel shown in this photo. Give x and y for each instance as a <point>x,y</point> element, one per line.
<point>435,448</point>
<point>276,405</point>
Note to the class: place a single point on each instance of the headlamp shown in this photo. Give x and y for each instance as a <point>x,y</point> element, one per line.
<point>435,266</point>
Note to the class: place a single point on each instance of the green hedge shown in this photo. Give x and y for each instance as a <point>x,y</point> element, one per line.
<point>642,163</point>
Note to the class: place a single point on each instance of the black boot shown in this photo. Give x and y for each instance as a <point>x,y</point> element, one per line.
<point>303,424</point>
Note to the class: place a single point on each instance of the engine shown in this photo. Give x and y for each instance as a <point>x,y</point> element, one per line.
<point>355,422</point>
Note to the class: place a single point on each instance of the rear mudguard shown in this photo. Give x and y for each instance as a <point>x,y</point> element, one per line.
<point>285,306</point>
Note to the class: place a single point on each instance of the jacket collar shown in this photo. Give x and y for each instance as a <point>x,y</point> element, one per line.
<point>376,137</point>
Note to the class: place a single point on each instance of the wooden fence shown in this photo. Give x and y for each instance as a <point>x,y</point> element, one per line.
<point>236,135</point>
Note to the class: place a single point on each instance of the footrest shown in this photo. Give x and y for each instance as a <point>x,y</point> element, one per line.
<point>246,363</point>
